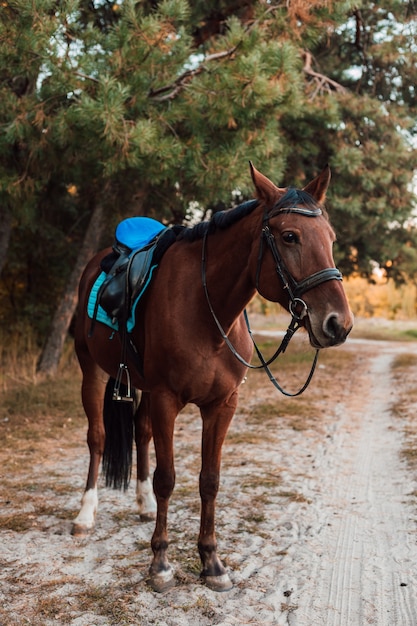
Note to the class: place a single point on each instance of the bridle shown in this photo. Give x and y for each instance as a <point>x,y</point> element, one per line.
<point>295,289</point>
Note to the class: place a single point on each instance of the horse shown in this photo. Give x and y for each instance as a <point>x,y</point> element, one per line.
<point>189,329</point>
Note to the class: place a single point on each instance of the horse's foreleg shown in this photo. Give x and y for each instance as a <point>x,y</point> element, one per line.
<point>92,392</point>
<point>164,408</point>
<point>143,434</point>
<point>216,421</point>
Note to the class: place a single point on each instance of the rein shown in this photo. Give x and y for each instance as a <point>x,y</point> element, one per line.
<point>295,291</point>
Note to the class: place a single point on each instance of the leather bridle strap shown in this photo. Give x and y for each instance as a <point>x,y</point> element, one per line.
<point>330,273</point>
<point>292,328</point>
<point>295,290</point>
<point>213,314</point>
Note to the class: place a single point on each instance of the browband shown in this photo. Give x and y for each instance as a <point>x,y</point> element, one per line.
<point>295,209</point>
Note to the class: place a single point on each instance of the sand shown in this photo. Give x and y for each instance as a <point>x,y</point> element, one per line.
<point>317,525</point>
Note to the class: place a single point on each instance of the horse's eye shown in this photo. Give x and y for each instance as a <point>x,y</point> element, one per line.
<point>290,237</point>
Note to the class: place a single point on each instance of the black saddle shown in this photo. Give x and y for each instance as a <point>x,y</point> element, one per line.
<point>128,274</point>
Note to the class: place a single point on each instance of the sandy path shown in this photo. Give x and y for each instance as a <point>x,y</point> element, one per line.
<point>316,526</point>
<point>363,554</point>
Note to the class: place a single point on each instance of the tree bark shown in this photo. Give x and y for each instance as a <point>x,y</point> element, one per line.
<point>52,350</point>
<point>5,232</point>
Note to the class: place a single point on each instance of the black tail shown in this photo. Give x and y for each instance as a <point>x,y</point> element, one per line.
<point>118,423</point>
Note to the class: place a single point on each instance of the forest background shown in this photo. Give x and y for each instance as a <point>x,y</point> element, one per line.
<point>112,109</point>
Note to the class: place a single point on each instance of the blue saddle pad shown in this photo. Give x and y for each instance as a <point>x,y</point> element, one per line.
<point>102,316</point>
<point>137,232</point>
<point>134,233</point>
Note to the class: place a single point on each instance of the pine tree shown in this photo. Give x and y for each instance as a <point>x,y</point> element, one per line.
<point>371,133</point>
<point>154,107</point>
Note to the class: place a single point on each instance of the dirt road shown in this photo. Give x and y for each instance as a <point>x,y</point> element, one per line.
<point>316,518</point>
<point>362,555</point>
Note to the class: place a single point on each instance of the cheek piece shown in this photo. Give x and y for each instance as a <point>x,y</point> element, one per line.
<point>296,305</point>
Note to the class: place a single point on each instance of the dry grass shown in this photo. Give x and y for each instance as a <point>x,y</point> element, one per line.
<point>293,496</point>
<point>39,415</point>
<point>405,404</point>
<point>404,361</point>
<point>384,330</point>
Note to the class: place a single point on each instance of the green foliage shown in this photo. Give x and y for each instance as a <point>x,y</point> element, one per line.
<point>148,106</point>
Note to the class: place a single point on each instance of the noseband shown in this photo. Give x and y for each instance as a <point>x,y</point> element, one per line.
<point>295,289</point>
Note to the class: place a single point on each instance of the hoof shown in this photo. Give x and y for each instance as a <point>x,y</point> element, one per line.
<point>147,517</point>
<point>218,583</point>
<point>162,581</point>
<point>80,530</point>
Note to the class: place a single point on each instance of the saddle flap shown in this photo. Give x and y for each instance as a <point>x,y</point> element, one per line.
<point>123,286</point>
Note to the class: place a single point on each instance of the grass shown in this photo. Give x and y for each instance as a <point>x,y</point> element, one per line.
<point>298,353</point>
<point>405,405</point>
<point>384,330</point>
<point>377,329</point>
<point>293,496</point>
<point>244,438</point>
<point>265,479</point>
<point>18,522</point>
<point>35,412</point>
<point>34,514</point>
<point>107,602</point>
<point>405,360</point>
<point>38,416</point>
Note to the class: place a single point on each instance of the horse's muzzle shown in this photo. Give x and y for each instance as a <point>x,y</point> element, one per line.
<point>333,332</point>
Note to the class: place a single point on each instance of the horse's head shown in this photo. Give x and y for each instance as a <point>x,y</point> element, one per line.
<point>295,265</point>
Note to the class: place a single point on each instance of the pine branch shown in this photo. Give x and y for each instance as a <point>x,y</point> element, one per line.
<point>168,92</point>
<point>320,82</point>
<point>86,76</point>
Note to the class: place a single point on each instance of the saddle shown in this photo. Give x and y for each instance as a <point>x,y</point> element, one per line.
<point>140,243</point>
<point>138,248</point>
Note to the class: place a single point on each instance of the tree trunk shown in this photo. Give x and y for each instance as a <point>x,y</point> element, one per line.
<point>5,231</point>
<point>52,350</point>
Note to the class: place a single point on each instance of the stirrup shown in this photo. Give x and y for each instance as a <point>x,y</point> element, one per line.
<point>117,396</point>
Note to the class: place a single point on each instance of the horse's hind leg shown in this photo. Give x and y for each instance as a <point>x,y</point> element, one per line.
<point>92,393</point>
<point>216,421</point>
<point>143,435</point>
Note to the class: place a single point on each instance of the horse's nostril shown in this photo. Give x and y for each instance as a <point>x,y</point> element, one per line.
<point>331,327</point>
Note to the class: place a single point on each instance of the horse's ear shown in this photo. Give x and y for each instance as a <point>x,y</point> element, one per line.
<point>318,187</point>
<point>265,188</point>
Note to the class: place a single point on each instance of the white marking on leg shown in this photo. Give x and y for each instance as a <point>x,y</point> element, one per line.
<point>218,583</point>
<point>89,505</point>
<point>145,498</point>
<point>162,581</point>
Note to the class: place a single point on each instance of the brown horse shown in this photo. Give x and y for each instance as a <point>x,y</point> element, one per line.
<point>279,245</point>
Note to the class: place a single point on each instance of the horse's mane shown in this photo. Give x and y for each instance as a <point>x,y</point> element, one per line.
<point>220,220</point>
<point>223,219</point>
